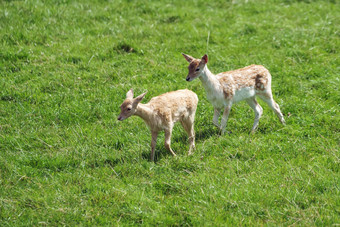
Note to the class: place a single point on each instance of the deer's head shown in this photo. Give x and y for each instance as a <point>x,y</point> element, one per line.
<point>196,66</point>
<point>129,106</point>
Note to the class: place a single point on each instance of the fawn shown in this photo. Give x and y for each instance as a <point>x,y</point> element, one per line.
<point>230,87</point>
<point>161,112</point>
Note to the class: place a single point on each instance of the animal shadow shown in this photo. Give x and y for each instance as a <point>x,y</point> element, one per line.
<point>160,153</point>
<point>206,133</point>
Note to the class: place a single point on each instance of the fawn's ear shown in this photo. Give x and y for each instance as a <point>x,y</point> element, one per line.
<point>129,94</point>
<point>139,98</point>
<point>188,57</point>
<point>205,59</point>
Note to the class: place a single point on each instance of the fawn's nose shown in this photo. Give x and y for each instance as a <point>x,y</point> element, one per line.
<point>188,78</point>
<point>119,118</point>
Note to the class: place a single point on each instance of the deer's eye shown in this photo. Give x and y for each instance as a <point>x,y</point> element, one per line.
<point>128,109</point>
<point>198,69</point>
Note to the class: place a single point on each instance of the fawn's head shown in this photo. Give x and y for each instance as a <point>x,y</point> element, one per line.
<point>129,106</point>
<point>196,66</point>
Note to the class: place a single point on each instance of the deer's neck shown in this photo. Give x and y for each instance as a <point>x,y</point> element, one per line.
<point>143,111</point>
<point>209,81</point>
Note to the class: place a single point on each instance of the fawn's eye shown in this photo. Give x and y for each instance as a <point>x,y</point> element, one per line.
<point>128,109</point>
<point>198,69</point>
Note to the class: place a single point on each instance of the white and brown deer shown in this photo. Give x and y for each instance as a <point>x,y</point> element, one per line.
<point>161,113</point>
<point>227,88</point>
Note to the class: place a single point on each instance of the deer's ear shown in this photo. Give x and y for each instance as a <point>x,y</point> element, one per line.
<point>205,59</point>
<point>188,57</point>
<point>129,94</point>
<point>140,97</point>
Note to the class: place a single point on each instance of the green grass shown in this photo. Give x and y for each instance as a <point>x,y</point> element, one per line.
<point>65,67</point>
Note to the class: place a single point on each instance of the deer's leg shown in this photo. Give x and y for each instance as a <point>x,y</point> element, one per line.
<point>258,112</point>
<point>215,118</point>
<point>188,125</point>
<point>153,144</point>
<point>167,142</point>
<point>225,117</point>
<point>268,98</point>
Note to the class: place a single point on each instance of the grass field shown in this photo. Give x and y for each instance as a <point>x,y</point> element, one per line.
<point>65,67</point>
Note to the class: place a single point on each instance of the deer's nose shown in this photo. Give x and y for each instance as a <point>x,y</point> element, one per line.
<point>188,78</point>
<point>119,118</point>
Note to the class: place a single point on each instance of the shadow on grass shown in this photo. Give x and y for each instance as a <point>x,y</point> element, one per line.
<point>113,162</point>
<point>206,133</point>
<point>160,153</point>
<point>202,134</point>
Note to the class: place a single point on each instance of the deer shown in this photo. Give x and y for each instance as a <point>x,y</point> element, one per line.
<point>161,113</point>
<point>227,88</point>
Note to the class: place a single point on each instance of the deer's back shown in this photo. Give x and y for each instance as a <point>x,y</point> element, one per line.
<point>175,104</point>
<point>253,76</point>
